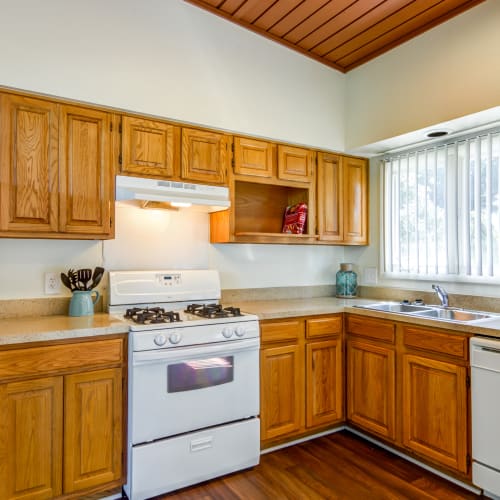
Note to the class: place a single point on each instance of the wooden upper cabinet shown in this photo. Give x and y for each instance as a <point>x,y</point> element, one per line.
<point>93,429</point>
<point>31,433</point>
<point>330,198</point>
<point>295,164</point>
<point>342,199</point>
<point>149,147</point>
<point>205,156</point>
<point>28,164</point>
<point>254,158</point>
<point>86,179</point>
<point>435,410</point>
<point>355,185</point>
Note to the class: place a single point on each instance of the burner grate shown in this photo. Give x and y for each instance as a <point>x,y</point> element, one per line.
<point>213,311</point>
<point>152,315</point>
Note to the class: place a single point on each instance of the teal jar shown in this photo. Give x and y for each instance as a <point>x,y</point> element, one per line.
<point>346,281</point>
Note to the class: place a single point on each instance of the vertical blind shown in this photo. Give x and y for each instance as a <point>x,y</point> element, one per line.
<point>442,209</point>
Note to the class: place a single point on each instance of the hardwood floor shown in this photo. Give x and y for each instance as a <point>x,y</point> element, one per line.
<point>338,466</point>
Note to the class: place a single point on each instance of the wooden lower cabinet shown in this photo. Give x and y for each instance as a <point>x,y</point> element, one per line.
<point>324,378</point>
<point>409,386</point>
<point>371,387</point>
<point>282,390</point>
<point>301,376</point>
<point>435,410</point>
<point>61,433</point>
<point>92,429</point>
<point>31,432</point>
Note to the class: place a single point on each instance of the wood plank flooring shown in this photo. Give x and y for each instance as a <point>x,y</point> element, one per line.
<point>338,466</point>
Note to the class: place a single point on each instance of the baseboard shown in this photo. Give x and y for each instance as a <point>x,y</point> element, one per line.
<point>302,440</point>
<point>452,479</point>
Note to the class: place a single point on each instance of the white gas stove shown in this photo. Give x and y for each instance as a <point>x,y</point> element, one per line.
<point>193,380</point>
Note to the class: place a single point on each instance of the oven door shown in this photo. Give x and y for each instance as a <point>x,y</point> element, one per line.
<point>182,389</point>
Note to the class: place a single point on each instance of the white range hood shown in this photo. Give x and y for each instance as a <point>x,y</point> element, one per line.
<point>177,194</point>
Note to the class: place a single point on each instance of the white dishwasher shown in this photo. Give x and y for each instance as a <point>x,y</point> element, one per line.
<point>485,402</point>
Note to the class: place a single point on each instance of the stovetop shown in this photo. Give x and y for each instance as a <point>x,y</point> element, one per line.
<point>176,308</point>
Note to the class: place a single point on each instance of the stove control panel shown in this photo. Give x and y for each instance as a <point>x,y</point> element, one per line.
<point>169,280</point>
<point>178,335</point>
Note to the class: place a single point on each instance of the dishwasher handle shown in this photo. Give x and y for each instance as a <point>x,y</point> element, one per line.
<point>485,354</point>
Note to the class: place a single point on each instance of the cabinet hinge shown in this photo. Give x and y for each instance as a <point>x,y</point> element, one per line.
<point>232,147</point>
<point>120,128</point>
<point>120,158</point>
<point>111,127</point>
<point>468,460</point>
<point>467,381</point>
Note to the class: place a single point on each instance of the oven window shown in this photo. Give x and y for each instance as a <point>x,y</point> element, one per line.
<point>200,373</point>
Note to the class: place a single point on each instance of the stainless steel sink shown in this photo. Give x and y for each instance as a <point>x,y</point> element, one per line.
<point>453,315</point>
<point>429,312</point>
<point>396,308</point>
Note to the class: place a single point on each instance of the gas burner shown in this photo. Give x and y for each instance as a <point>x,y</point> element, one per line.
<point>213,311</point>
<point>151,315</point>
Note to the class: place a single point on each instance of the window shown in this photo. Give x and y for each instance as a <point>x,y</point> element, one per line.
<point>442,210</point>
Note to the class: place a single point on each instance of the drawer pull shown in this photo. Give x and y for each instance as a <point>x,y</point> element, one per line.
<point>201,444</point>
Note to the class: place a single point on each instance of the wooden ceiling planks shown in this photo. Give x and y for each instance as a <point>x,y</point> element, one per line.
<point>342,34</point>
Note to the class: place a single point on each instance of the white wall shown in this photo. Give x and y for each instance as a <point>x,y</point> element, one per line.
<point>168,58</point>
<point>448,72</point>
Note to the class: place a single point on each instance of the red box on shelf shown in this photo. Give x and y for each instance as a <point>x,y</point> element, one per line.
<point>294,220</point>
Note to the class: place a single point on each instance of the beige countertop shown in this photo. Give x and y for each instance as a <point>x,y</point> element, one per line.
<point>44,328</point>
<point>276,309</point>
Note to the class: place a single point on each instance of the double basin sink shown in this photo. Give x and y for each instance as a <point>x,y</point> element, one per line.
<point>430,312</point>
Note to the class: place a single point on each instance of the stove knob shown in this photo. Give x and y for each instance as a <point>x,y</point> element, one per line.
<point>240,331</point>
<point>174,338</point>
<point>227,332</point>
<point>160,339</point>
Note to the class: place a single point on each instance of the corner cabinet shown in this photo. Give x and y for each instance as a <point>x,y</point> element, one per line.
<point>301,377</point>
<point>371,375</point>
<point>342,199</point>
<point>62,413</point>
<point>409,385</point>
<point>56,170</point>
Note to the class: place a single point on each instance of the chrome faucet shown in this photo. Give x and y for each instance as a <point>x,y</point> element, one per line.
<point>442,294</point>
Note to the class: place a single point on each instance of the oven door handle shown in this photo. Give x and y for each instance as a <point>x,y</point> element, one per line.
<point>183,353</point>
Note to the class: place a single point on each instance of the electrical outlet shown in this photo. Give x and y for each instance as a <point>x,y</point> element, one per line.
<point>52,284</point>
<point>370,276</point>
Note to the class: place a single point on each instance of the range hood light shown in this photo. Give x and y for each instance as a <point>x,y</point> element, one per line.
<point>180,204</point>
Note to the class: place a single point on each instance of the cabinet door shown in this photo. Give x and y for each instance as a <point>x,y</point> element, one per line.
<point>204,156</point>
<point>295,164</point>
<point>31,438</point>
<point>371,392</point>
<point>324,382</point>
<point>281,390</point>
<point>435,410</point>
<point>86,173</point>
<point>330,198</point>
<point>355,181</point>
<point>149,147</point>
<point>28,164</point>
<point>254,158</point>
<point>93,429</point>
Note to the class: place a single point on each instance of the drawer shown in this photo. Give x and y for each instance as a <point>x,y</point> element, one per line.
<point>321,327</point>
<point>372,328</point>
<point>279,331</point>
<point>449,344</point>
<point>62,357</point>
